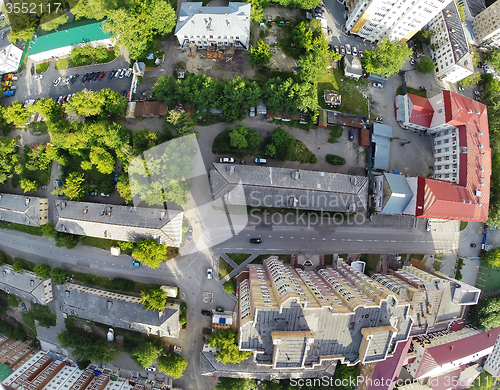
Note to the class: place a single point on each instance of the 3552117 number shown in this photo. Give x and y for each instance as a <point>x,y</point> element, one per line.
<point>32,8</point>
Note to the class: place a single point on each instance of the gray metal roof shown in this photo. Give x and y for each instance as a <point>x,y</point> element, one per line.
<point>353,65</point>
<point>124,223</point>
<point>475,6</point>
<point>279,187</point>
<point>117,310</point>
<point>381,137</point>
<point>24,284</point>
<point>397,194</point>
<point>21,209</point>
<point>196,20</point>
<point>453,22</point>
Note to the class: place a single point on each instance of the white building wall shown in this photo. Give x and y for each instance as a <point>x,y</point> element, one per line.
<point>446,164</point>
<point>10,59</point>
<point>492,365</point>
<point>486,26</point>
<point>66,50</point>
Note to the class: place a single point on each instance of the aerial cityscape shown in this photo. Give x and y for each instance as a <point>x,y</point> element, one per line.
<point>254,195</point>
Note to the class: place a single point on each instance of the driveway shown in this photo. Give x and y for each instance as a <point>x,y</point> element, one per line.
<point>29,88</point>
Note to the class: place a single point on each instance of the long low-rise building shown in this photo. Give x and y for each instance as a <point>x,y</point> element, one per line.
<point>123,223</point>
<point>24,210</point>
<point>289,188</point>
<point>25,284</point>
<point>117,310</point>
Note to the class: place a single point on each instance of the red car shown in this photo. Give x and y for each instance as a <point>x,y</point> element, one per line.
<point>101,76</point>
<point>128,94</point>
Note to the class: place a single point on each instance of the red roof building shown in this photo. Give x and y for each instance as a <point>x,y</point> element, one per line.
<point>421,110</point>
<point>466,164</point>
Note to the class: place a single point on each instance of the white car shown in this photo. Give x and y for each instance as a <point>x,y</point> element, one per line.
<point>428,226</point>
<point>460,88</point>
<point>57,81</point>
<point>152,369</point>
<point>226,160</point>
<point>39,77</point>
<point>103,194</point>
<point>354,51</point>
<point>122,73</point>
<point>128,73</point>
<point>29,102</point>
<point>252,111</point>
<point>378,85</point>
<point>209,273</point>
<point>348,49</point>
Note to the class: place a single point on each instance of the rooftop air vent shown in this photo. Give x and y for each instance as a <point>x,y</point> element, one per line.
<point>462,200</point>
<point>479,203</point>
<point>481,183</point>
<point>480,132</point>
<point>469,111</point>
<point>459,107</point>
<point>481,169</point>
<point>478,112</point>
<point>481,145</point>
<point>27,201</point>
<point>477,193</point>
<point>469,201</point>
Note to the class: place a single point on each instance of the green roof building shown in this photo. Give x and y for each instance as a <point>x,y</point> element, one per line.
<point>58,44</point>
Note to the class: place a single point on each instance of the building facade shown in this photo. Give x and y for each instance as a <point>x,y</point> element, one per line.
<point>117,310</point>
<point>14,353</point>
<point>449,46</point>
<point>492,365</point>
<point>25,284</point>
<point>10,57</point>
<point>399,19</point>
<point>24,210</point>
<point>214,26</point>
<point>460,186</point>
<point>58,44</point>
<point>486,26</point>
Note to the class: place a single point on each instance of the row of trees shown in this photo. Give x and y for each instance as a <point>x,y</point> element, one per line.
<point>148,353</point>
<point>40,270</point>
<point>388,58</point>
<point>487,312</point>
<point>87,54</point>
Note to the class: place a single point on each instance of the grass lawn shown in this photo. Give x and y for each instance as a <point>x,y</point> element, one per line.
<point>42,67</point>
<point>438,256</point>
<point>33,230</point>
<point>301,153</point>
<point>418,257</point>
<point>287,259</point>
<point>463,225</point>
<point>230,286</point>
<point>62,64</point>
<point>335,133</point>
<point>328,259</point>
<point>224,268</point>
<point>413,91</point>
<point>371,262</point>
<point>436,264</point>
<point>488,278</point>
<point>107,283</point>
<point>238,258</point>
<point>350,89</point>
<point>111,56</point>
<point>98,242</point>
<point>264,74</point>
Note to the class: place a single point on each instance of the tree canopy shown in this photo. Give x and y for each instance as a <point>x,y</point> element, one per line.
<point>290,96</point>
<point>149,252</point>
<point>387,58</point>
<point>173,365</point>
<point>154,298</point>
<point>74,187</point>
<point>492,57</point>
<point>147,353</point>
<point>88,346</point>
<point>58,275</point>
<point>492,258</point>
<point>425,65</point>
<point>471,81</point>
<point>226,342</point>
<point>42,270</point>
<point>488,312</point>
<point>260,54</point>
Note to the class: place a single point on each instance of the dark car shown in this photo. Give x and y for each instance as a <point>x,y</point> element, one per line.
<point>190,235</point>
<point>351,135</point>
<point>111,74</point>
<point>472,245</point>
<point>74,78</point>
<point>256,240</point>
<point>422,89</point>
<point>206,313</point>
<point>85,77</point>
<point>101,75</point>
<point>96,76</point>
<point>23,306</point>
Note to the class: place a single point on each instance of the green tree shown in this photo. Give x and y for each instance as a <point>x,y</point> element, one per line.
<point>74,187</point>
<point>70,241</point>
<point>147,353</point>
<point>58,275</point>
<point>18,265</point>
<point>344,373</point>
<point>178,121</point>
<point>42,270</point>
<point>226,342</point>
<point>149,252</point>
<point>239,384</point>
<point>492,258</point>
<point>88,346</point>
<point>154,299</point>
<point>173,365</point>
<point>425,65</point>
<point>16,114</point>
<point>166,90</point>
<point>312,66</point>
<point>198,91</point>
<point>93,9</point>
<point>28,185</point>
<point>8,158</point>
<point>270,150</point>
<point>388,58</point>
<point>260,55</point>
<point>12,300</point>
<point>48,230</point>
<point>49,22</point>
<point>284,143</point>
<point>492,57</point>
<point>123,188</point>
<point>303,36</point>
<point>238,137</point>
<point>488,312</point>
<point>85,55</point>
<point>102,159</point>
<point>47,108</point>
<point>290,96</point>
<point>471,81</point>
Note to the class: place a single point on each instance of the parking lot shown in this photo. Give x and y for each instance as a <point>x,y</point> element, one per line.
<point>31,88</point>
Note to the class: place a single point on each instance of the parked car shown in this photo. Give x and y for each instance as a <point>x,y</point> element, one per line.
<point>111,74</point>
<point>348,49</point>
<point>23,306</point>
<point>477,93</point>
<point>117,73</point>
<point>59,100</point>
<point>378,85</point>
<point>460,88</point>
<point>39,77</point>
<point>360,55</point>
<point>207,313</point>
<point>472,245</point>
<point>477,99</point>
<point>122,73</point>
<point>136,263</point>
<point>336,49</point>
<point>13,88</point>
<point>93,193</point>
<point>127,95</point>
<point>209,273</point>
<point>8,93</point>
<point>428,226</point>
<point>354,51</point>
<point>256,241</point>
<point>96,76</point>
<point>67,80</point>
<point>190,234</point>
<point>101,75</point>
<point>105,195</point>
<point>128,73</point>
<point>412,61</point>
<point>423,89</point>
<point>57,81</point>
<point>342,50</point>
<point>226,160</point>
<point>260,161</point>
<point>351,135</point>
<point>74,78</point>
<point>252,111</point>
<point>3,35</point>
<point>14,78</point>
<point>65,98</point>
<point>151,369</point>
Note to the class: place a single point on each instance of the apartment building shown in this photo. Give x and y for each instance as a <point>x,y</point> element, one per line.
<point>492,365</point>
<point>296,318</point>
<point>214,26</point>
<point>24,210</point>
<point>460,186</point>
<point>449,45</point>
<point>486,26</point>
<point>14,353</point>
<point>38,374</point>
<point>399,19</point>
<point>117,310</point>
<point>26,285</point>
<point>472,8</point>
<point>10,57</point>
<point>123,223</point>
